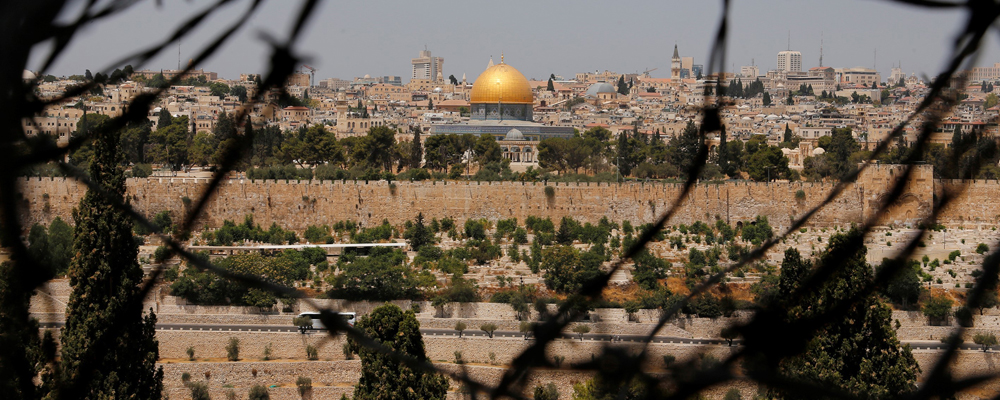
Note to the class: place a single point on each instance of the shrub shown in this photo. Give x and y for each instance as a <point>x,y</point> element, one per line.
<point>458,357</point>
<point>258,392</point>
<point>199,391</point>
<point>547,392</point>
<point>348,352</point>
<point>190,353</point>
<point>233,349</point>
<point>558,360</point>
<point>982,248</point>
<point>267,352</point>
<point>142,170</point>
<point>185,377</point>
<point>550,192</point>
<point>312,353</point>
<point>800,194</point>
<point>161,253</point>
<point>305,385</point>
<point>953,255</point>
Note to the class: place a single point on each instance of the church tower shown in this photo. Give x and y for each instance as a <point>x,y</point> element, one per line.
<point>675,66</point>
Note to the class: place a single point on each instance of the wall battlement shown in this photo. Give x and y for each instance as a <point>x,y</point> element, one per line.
<point>298,204</point>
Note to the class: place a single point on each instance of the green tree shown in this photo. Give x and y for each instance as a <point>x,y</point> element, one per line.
<point>550,86</point>
<point>108,346</point>
<point>165,119</point>
<point>991,101</point>
<point>489,328</point>
<point>219,89</point>
<point>878,365</point>
<point>169,144</point>
<point>985,340</point>
<point>416,148</point>
<point>380,276</point>
<point>60,245</point>
<point>629,154</point>
<point>938,309</point>
<point>565,269</point>
<point>375,149</point>
<point>794,271</point>
<point>23,353</point>
<point>239,91</point>
<point>418,234</point>
<point>384,378</point>
<point>904,287</point>
<point>622,86</point>
<point>766,100</point>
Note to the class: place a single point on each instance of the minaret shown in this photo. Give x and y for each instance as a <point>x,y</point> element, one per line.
<point>675,65</point>
<point>491,62</point>
<point>464,82</point>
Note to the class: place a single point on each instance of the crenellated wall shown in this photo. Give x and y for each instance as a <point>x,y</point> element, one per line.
<point>298,204</point>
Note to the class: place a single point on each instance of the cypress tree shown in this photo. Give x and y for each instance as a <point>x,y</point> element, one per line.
<point>550,86</point>
<point>109,349</point>
<point>385,378</point>
<point>165,119</point>
<point>416,149</point>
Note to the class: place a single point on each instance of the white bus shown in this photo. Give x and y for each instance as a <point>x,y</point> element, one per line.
<point>349,317</point>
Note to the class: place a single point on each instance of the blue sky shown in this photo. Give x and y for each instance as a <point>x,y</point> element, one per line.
<point>350,39</point>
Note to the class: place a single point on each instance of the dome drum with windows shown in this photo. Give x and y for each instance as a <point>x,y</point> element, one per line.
<point>501,93</point>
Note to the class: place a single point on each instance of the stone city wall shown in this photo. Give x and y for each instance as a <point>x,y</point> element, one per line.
<point>296,205</point>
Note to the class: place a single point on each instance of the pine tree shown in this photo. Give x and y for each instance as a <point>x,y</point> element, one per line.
<point>383,378</point>
<point>109,349</point>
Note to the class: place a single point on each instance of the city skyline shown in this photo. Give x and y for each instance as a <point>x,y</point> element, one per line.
<point>577,39</point>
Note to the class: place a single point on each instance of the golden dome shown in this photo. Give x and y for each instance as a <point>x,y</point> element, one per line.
<point>502,83</point>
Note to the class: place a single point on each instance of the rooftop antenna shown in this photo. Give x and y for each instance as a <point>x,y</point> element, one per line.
<point>789,40</point>
<point>178,56</point>
<point>875,61</point>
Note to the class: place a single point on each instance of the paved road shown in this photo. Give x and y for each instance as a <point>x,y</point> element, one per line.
<point>434,332</point>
